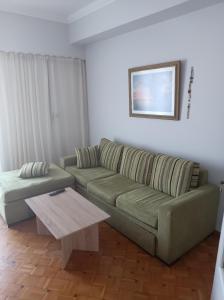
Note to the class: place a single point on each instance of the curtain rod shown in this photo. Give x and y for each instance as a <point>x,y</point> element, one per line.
<point>43,55</point>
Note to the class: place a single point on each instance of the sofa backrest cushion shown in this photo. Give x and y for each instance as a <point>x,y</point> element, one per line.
<point>110,154</point>
<point>171,175</point>
<point>137,164</point>
<point>87,157</point>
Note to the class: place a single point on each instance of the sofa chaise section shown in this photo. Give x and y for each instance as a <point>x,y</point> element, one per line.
<point>13,191</point>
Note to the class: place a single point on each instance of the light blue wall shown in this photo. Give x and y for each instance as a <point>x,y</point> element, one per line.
<point>26,34</point>
<point>197,40</point>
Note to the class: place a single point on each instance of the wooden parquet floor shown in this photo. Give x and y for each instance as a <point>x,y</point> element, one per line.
<point>30,268</point>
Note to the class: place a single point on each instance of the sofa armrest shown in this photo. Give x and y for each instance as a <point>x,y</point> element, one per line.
<point>69,160</point>
<point>185,221</point>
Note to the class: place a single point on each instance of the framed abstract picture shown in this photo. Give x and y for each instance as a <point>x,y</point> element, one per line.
<point>154,91</point>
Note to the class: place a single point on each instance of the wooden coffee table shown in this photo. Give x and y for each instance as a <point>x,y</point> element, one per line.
<point>69,217</point>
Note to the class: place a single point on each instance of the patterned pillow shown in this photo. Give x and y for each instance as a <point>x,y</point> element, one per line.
<point>195,178</point>
<point>171,175</point>
<point>34,169</point>
<point>136,164</point>
<point>110,154</point>
<point>87,157</point>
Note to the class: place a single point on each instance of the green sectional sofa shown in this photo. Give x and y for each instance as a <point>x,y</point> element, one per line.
<point>162,203</point>
<point>13,191</point>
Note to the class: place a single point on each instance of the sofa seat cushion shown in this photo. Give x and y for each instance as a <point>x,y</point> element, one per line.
<point>14,188</point>
<point>143,204</point>
<point>108,189</point>
<point>171,175</point>
<point>83,176</point>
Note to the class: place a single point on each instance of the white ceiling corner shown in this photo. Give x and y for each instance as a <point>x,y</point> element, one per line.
<point>53,10</point>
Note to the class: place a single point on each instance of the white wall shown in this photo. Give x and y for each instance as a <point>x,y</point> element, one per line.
<point>25,34</point>
<point>197,40</point>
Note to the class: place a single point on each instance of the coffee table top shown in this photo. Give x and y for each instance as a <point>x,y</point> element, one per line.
<point>66,213</point>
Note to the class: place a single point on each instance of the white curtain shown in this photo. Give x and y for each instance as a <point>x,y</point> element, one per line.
<point>43,108</point>
<point>70,122</point>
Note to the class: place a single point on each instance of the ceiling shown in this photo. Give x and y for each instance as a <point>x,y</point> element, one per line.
<point>54,10</point>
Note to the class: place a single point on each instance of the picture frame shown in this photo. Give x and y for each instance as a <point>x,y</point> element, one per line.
<point>154,91</point>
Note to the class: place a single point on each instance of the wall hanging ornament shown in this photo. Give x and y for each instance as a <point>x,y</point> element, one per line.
<point>189,92</point>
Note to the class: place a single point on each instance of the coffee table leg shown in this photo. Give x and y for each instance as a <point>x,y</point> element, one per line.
<point>86,239</point>
<point>41,228</point>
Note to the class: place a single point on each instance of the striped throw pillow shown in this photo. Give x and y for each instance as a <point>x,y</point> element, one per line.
<point>195,178</point>
<point>110,154</point>
<point>136,164</point>
<point>87,157</point>
<point>34,169</point>
<point>171,175</point>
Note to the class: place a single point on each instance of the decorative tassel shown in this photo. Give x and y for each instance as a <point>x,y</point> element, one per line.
<point>189,93</point>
